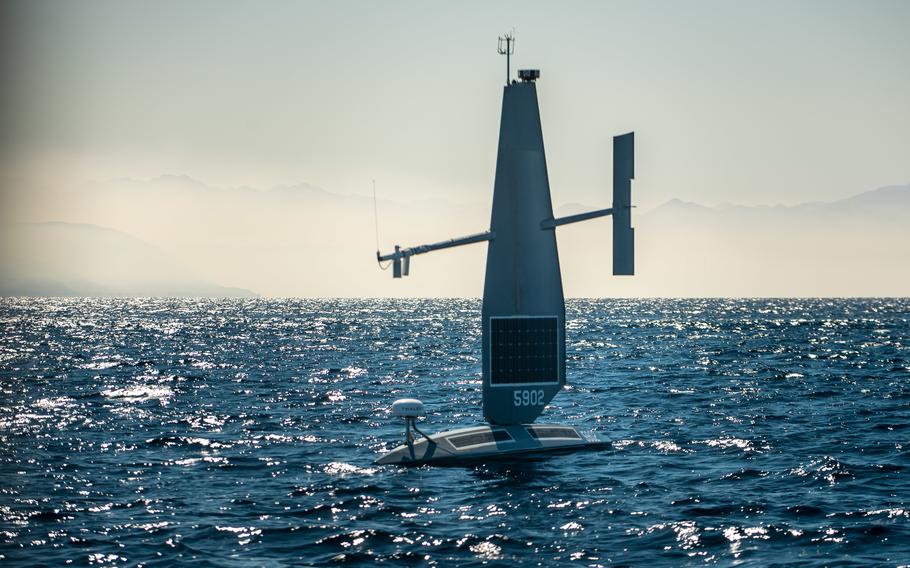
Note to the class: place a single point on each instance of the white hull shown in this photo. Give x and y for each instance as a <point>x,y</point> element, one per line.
<point>488,441</point>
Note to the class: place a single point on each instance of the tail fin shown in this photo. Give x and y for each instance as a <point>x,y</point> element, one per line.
<point>623,233</point>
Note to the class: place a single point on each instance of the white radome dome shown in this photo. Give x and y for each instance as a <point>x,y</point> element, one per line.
<point>407,408</point>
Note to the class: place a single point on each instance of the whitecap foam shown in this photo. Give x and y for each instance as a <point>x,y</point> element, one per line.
<point>725,443</point>
<point>100,365</point>
<point>667,446</point>
<point>54,403</point>
<point>486,550</point>
<point>341,468</point>
<point>140,393</point>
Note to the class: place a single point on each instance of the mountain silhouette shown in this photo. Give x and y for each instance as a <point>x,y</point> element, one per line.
<point>302,240</point>
<point>65,259</point>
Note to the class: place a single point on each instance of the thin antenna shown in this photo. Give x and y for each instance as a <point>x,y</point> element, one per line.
<point>507,47</point>
<point>376,225</point>
<point>376,216</point>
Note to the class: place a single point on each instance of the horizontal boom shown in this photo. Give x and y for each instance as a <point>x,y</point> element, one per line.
<point>405,254</point>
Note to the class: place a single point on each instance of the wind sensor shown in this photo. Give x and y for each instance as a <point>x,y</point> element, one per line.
<point>523,317</point>
<point>507,47</point>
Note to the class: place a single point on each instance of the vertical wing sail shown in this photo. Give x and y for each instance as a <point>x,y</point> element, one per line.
<point>623,233</point>
<point>523,306</point>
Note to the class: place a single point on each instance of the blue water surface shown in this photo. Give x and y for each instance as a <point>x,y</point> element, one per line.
<point>156,432</point>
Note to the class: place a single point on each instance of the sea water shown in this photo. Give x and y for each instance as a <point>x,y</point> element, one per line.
<point>156,432</point>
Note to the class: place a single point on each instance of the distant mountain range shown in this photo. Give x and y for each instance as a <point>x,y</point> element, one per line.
<point>65,259</point>
<point>304,241</point>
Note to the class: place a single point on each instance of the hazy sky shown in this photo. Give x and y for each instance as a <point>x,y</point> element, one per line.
<point>760,102</point>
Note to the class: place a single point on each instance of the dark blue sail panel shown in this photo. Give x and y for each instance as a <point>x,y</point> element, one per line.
<point>523,281</point>
<point>524,350</point>
<point>623,233</point>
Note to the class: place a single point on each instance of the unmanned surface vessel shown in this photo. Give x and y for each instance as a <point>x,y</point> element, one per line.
<point>523,315</point>
<point>480,442</point>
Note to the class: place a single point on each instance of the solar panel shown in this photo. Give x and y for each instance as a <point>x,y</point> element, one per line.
<point>524,350</point>
<point>543,432</point>
<point>486,437</point>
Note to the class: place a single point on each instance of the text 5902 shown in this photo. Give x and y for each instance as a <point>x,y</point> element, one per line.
<point>528,397</point>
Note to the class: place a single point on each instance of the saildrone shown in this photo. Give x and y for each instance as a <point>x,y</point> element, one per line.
<point>523,315</point>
